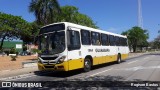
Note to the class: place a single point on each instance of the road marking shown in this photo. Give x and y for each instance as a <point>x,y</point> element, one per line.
<point>99,72</point>
<point>145,58</point>
<point>139,68</point>
<point>132,62</point>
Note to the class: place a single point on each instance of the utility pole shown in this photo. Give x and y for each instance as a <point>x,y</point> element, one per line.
<point>140,18</point>
<point>158,30</point>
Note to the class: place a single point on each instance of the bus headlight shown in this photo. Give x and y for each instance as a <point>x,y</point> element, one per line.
<point>61,59</point>
<point>39,60</point>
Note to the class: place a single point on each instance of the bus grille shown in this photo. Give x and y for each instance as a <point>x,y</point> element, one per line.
<point>49,66</point>
<point>48,58</point>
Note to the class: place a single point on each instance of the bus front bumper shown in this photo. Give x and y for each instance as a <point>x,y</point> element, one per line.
<point>53,67</point>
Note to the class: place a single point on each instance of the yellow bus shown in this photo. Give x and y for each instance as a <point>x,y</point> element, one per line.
<point>67,46</point>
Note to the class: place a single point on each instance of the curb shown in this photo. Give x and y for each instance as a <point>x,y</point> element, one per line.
<point>29,64</point>
<point>141,54</point>
<point>130,57</point>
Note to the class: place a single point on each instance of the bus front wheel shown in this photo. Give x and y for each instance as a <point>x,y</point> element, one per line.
<point>119,59</point>
<point>87,65</point>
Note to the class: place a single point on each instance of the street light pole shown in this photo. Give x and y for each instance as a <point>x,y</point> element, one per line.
<point>140,18</point>
<point>159,30</point>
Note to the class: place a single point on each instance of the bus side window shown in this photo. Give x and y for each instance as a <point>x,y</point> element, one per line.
<point>95,38</point>
<point>85,37</point>
<point>125,42</point>
<point>112,40</point>
<point>104,39</point>
<point>117,41</point>
<point>73,39</point>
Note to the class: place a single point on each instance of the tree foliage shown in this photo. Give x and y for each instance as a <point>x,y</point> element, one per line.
<point>156,43</point>
<point>44,10</point>
<point>71,14</point>
<point>12,27</point>
<point>136,37</point>
<point>34,30</point>
<point>49,11</point>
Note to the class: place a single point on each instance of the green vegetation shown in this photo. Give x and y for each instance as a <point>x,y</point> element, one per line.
<point>13,27</point>
<point>33,32</point>
<point>49,11</point>
<point>156,43</point>
<point>12,51</point>
<point>71,14</point>
<point>13,58</point>
<point>137,37</point>
<point>44,10</point>
<point>36,51</point>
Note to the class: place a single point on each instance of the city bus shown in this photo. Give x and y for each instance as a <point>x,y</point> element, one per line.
<point>66,46</point>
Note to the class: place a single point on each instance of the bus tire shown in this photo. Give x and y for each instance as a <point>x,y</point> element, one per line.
<point>87,64</point>
<point>119,59</point>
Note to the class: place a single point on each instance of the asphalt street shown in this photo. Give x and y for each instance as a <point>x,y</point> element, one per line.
<point>142,68</point>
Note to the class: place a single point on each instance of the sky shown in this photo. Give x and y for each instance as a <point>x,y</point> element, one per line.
<point>111,15</point>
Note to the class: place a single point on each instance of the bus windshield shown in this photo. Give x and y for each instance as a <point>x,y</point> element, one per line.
<point>52,43</point>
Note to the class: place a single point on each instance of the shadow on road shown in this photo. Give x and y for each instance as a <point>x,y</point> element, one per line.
<point>60,74</point>
<point>101,82</point>
<point>63,74</point>
<point>95,83</point>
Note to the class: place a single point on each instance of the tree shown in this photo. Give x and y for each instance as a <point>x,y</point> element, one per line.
<point>156,42</point>
<point>33,33</point>
<point>68,13</point>
<point>71,14</point>
<point>44,10</point>
<point>84,20</point>
<point>136,37</point>
<point>12,27</point>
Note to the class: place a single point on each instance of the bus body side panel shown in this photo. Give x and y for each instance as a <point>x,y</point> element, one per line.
<point>75,64</point>
<point>112,54</point>
<point>125,52</point>
<point>103,55</point>
<point>96,55</point>
<point>74,57</point>
<point>100,57</point>
<point>124,56</point>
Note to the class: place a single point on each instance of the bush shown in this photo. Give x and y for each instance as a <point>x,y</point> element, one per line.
<point>24,48</point>
<point>13,57</point>
<point>7,52</point>
<point>36,51</point>
<point>13,51</point>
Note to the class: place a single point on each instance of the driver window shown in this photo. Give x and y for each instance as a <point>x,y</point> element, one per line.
<point>73,38</point>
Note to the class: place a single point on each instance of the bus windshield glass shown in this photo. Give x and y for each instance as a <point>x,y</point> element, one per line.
<point>52,28</point>
<point>52,42</point>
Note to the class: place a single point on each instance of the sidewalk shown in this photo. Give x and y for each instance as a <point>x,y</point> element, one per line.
<point>7,64</point>
<point>10,68</point>
<point>132,55</point>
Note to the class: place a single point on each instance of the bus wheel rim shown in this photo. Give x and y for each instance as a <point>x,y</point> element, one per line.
<point>119,60</point>
<point>87,65</point>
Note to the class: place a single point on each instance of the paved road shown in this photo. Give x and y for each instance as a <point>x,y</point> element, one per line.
<point>143,68</point>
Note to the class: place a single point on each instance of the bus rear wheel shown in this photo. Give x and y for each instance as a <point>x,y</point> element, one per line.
<point>87,65</point>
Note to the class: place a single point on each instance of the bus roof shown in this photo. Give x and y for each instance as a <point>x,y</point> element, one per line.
<point>86,28</point>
